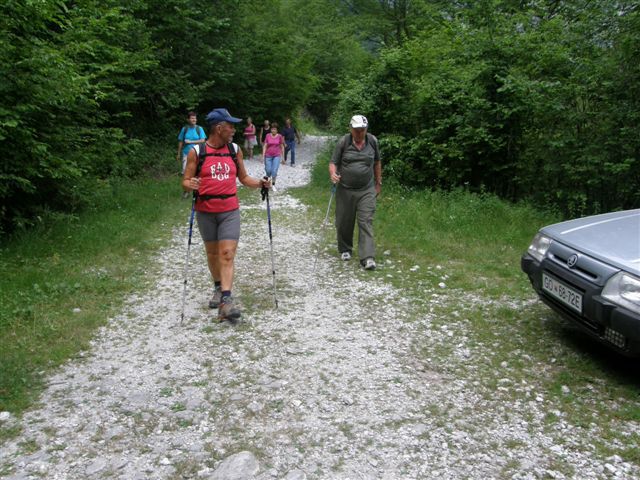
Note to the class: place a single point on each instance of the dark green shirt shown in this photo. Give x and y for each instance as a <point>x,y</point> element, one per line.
<point>355,167</point>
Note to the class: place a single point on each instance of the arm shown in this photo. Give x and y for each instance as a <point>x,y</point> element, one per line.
<point>333,173</point>
<point>377,175</point>
<point>282,147</point>
<point>189,180</point>
<point>179,154</point>
<point>377,167</point>
<point>334,163</point>
<point>180,145</point>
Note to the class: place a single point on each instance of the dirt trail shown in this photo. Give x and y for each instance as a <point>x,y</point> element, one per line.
<point>328,386</point>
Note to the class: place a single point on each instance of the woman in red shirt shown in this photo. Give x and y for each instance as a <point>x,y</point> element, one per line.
<point>250,137</point>
<point>217,207</point>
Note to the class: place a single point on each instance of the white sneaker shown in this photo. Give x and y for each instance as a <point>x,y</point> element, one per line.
<point>369,264</point>
<point>345,256</point>
<point>274,189</point>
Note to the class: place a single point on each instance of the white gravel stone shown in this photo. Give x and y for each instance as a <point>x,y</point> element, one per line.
<point>337,383</point>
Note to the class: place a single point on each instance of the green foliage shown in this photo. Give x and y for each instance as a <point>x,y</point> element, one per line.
<point>61,283</point>
<point>533,100</point>
<point>532,103</point>
<point>86,84</point>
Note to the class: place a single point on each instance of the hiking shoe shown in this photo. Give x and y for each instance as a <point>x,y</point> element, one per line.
<point>345,256</point>
<point>215,299</point>
<point>227,310</point>
<point>369,264</point>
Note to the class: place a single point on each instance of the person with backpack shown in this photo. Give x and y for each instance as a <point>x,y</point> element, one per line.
<point>212,175</point>
<point>264,130</point>
<point>290,134</point>
<point>356,169</point>
<point>190,136</point>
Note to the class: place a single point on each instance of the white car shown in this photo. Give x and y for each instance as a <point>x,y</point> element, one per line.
<point>588,270</point>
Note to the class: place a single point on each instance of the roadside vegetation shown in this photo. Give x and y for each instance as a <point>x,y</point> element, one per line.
<point>456,254</point>
<point>62,279</point>
<point>534,101</point>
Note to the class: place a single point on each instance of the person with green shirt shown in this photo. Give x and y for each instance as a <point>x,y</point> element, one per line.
<point>356,169</point>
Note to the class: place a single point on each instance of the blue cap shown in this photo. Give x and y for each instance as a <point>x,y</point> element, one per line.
<point>220,115</point>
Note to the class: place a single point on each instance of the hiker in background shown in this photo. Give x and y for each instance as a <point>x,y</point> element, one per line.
<point>217,207</point>
<point>355,168</point>
<point>190,136</point>
<point>264,130</point>
<point>250,137</point>
<point>290,134</point>
<point>272,153</point>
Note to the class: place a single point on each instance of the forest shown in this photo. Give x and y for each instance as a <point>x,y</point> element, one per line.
<point>536,101</point>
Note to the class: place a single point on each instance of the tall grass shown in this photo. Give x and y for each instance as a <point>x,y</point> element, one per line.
<point>477,239</point>
<point>60,281</point>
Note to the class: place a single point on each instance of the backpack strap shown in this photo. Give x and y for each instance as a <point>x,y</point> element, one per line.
<point>202,154</point>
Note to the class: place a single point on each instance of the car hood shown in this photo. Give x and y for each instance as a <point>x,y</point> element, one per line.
<point>612,237</point>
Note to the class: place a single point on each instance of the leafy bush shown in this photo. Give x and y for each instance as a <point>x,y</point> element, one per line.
<point>516,102</point>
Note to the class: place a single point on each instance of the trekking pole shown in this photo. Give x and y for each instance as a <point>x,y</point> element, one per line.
<point>265,195</point>
<point>324,222</point>
<point>186,263</point>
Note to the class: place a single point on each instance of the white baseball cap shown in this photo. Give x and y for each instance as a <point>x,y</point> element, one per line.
<point>358,121</point>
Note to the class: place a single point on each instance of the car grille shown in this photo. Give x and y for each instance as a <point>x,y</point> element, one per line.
<point>586,267</point>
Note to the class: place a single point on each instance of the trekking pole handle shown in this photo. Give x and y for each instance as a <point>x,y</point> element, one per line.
<point>264,192</point>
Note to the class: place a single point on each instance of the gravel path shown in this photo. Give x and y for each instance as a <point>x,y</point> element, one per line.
<point>328,386</point>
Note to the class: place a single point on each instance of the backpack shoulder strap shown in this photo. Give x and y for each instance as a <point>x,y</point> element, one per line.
<point>346,143</point>
<point>233,150</point>
<point>374,142</point>
<point>202,154</point>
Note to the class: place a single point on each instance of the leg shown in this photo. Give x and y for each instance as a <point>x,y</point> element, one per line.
<point>268,165</point>
<point>292,147</point>
<point>345,219</point>
<point>184,163</point>
<point>225,255</point>
<point>228,236</point>
<point>286,151</point>
<point>366,208</point>
<point>275,166</point>
<point>213,261</point>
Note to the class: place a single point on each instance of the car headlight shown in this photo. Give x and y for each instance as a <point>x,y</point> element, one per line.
<point>539,246</point>
<point>623,289</point>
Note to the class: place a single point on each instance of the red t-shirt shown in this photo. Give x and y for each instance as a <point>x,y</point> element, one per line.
<point>218,177</point>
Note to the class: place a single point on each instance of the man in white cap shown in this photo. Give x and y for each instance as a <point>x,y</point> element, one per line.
<point>355,168</point>
<point>217,206</point>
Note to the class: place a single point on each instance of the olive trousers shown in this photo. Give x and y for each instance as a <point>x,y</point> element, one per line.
<point>352,205</point>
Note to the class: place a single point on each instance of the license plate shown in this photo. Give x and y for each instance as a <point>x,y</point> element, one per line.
<point>562,292</point>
